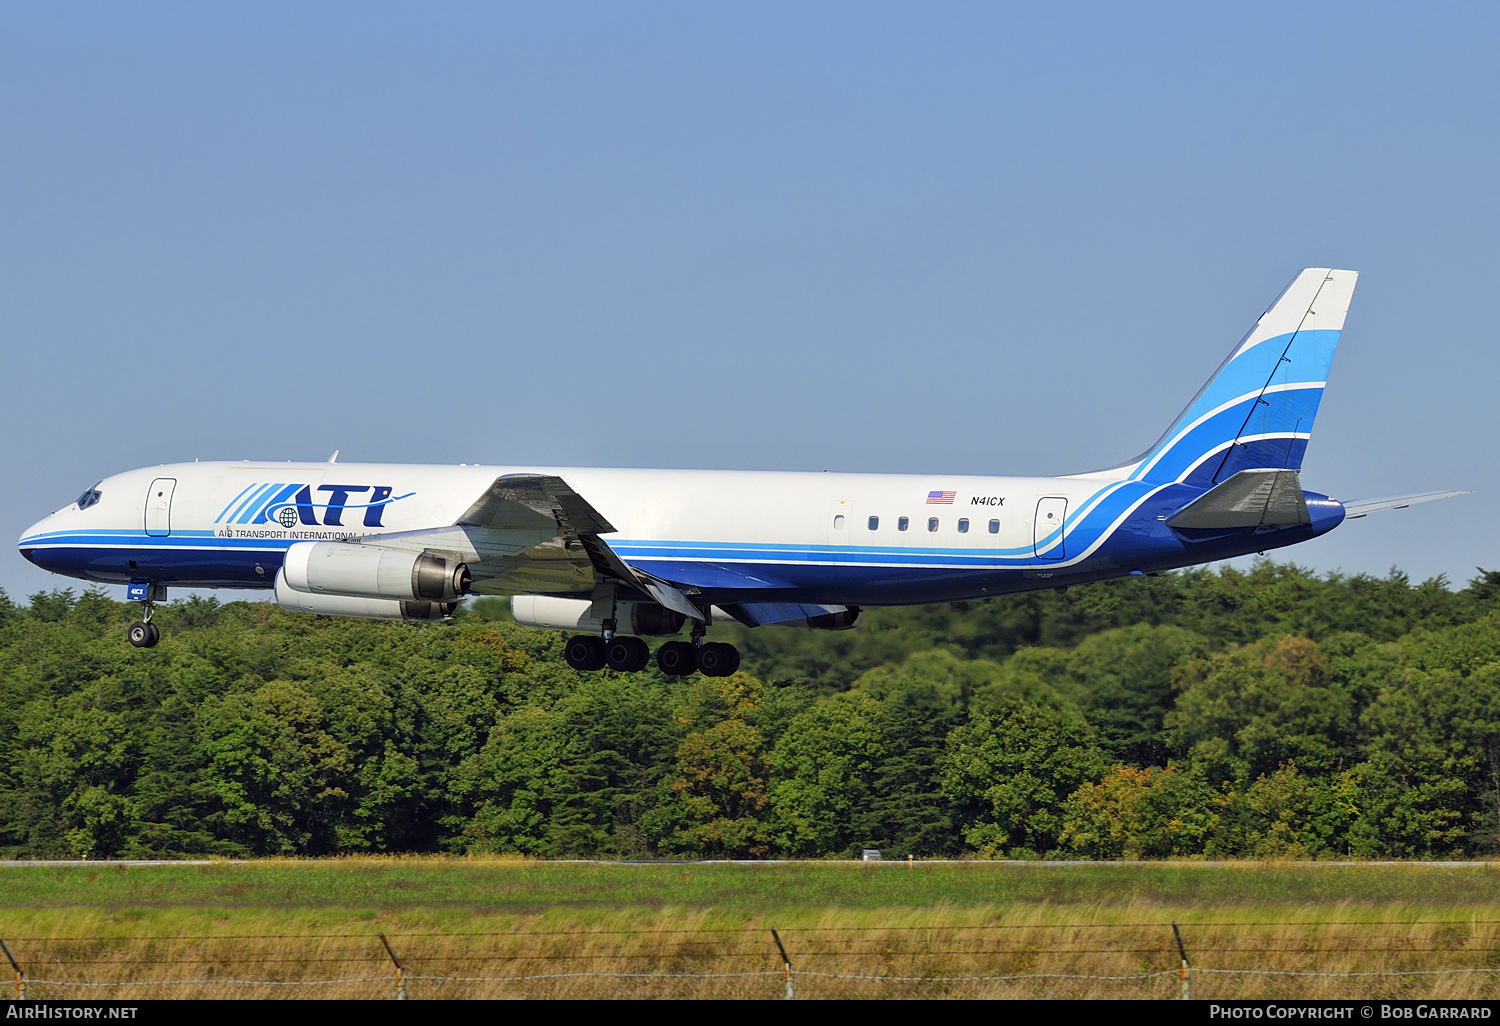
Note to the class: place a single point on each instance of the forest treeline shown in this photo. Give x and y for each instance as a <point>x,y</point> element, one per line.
<point>1210,713</point>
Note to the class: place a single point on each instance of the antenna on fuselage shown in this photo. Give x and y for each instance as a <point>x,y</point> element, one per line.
<point>335,457</point>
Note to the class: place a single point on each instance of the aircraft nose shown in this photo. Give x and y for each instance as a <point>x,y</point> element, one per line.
<point>29,536</point>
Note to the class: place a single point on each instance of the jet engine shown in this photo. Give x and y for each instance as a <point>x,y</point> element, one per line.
<point>288,597</point>
<point>373,571</point>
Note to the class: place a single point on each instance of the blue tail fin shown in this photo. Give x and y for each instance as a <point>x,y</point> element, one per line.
<point>1258,410</point>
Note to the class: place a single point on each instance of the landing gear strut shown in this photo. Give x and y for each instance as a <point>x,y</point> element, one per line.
<point>143,633</point>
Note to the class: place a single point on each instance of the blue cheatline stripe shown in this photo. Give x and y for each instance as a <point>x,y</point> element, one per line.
<point>1084,531</point>
<point>285,493</point>
<point>108,535</point>
<point>164,543</point>
<point>232,501</point>
<point>254,505</point>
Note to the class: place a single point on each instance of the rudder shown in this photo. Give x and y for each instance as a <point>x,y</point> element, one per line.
<point>1257,411</point>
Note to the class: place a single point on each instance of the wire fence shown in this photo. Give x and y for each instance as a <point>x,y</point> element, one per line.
<point>1420,959</point>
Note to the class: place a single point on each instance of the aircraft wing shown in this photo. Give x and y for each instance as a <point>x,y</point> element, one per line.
<point>1364,507</point>
<point>532,500</point>
<point>533,534</point>
<point>526,534</point>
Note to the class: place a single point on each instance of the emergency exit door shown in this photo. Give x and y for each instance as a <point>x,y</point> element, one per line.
<point>159,507</point>
<point>1047,538</point>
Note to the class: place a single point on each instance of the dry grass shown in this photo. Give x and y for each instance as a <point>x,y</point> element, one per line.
<point>497,929</point>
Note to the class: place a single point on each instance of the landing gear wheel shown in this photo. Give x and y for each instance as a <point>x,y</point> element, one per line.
<point>585,652</point>
<point>677,658</point>
<point>718,659</point>
<point>143,635</point>
<point>627,654</point>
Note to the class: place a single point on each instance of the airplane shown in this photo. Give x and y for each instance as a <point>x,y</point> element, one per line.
<point>614,556</point>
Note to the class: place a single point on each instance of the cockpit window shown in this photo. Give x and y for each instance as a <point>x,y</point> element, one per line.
<point>89,497</point>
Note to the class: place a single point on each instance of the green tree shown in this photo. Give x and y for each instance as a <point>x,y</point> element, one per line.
<point>826,764</point>
<point>1009,774</point>
<point>280,782</point>
<point>1244,713</point>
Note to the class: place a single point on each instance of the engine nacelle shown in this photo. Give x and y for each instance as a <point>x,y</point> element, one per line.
<point>565,614</point>
<point>374,571</point>
<point>290,598</point>
<point>843,620</point>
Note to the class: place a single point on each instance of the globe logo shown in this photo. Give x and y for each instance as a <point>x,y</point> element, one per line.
<point>286,516</point>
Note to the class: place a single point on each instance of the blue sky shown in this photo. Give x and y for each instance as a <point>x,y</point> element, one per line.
<point>959,238</point>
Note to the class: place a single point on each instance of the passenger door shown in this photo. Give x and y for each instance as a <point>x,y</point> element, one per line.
<point>159,507</point>
<point>1047,533</point>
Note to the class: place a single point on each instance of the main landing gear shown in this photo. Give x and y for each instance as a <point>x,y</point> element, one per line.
<point>143,633</point>
<point>626,655</point>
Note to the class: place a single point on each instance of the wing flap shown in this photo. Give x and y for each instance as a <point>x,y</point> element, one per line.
<point>715,576</point>
<point>822,617</point>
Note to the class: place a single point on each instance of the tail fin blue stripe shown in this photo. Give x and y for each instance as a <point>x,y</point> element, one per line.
<point>1258,408</point>
<point>1287,414</point>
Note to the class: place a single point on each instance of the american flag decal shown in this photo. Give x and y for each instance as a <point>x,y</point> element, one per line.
<point>941,498</point>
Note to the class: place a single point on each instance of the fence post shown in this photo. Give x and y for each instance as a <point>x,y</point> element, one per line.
<point>400,972</point>
<point>1187,982</point>
<point>20,976</point>
<point>791,990</point>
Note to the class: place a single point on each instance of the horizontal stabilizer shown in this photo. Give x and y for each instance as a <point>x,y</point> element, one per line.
<point>1248,499</point>
<point>1364,507</point>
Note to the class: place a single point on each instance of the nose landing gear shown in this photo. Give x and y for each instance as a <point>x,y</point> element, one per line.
<point>143,633</point>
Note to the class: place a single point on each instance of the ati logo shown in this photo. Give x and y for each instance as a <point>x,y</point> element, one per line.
<point>326,505</point>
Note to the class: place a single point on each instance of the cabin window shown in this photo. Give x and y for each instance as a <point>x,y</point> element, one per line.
<point>963,526</point>
<point>874,523</point>
<point>838,522</point>
<point>89,497</point>
<point>932,523</point>
<point>903,523</point>
<point>994,527</point>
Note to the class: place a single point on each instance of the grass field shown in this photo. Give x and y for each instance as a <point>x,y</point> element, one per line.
<point>473,928</point>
